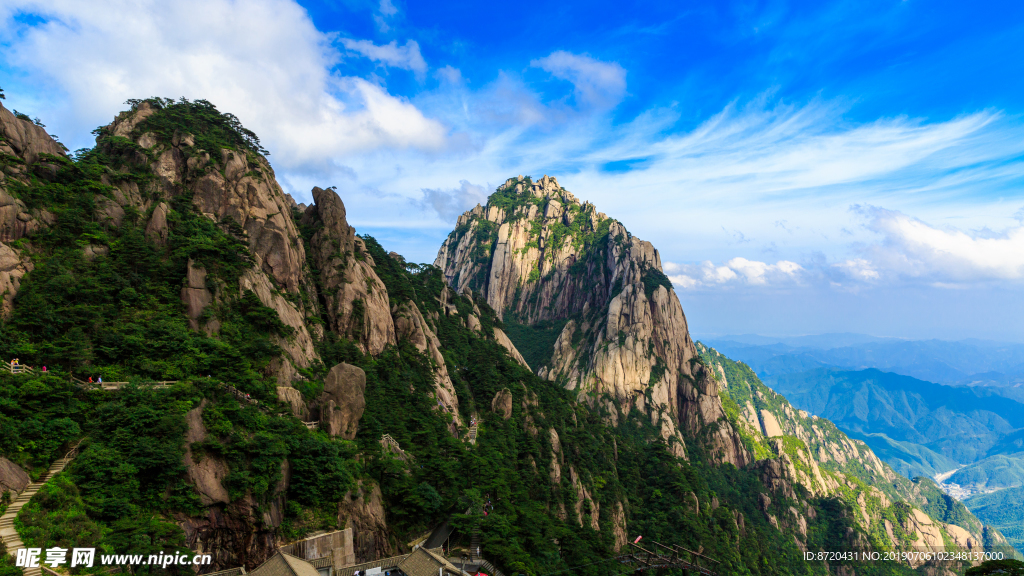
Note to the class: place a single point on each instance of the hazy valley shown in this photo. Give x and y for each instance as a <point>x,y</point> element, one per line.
<point>965,432</point>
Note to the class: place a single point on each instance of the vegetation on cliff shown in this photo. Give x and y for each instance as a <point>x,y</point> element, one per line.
<point>551,483</point>
<point>830,464</point>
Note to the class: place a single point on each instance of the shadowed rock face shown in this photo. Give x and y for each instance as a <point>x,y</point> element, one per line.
<point>363,511</point>
<point>537,254</point>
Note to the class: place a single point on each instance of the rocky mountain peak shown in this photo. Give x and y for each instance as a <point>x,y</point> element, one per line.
<point>550,263</point>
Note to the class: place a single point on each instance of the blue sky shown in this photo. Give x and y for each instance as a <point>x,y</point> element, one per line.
<point>802,167</point>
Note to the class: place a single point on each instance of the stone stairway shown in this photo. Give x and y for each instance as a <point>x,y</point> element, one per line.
<point>472,433</point>
<point>8,534</point>
<point>474,545</point>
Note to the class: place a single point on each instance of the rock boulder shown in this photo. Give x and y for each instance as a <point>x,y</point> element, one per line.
<point>342,402</point>
<point>12,477</point>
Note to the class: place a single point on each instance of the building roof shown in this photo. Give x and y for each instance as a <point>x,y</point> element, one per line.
<point>423,562</point>
<point>383,564</point>
<point>322,562</point>
<point>282,564</point>
<point>239,571</point>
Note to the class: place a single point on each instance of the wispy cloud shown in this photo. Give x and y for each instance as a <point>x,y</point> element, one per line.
<point>596,83</point>
<point>385,11</point>
<point>406,57</point>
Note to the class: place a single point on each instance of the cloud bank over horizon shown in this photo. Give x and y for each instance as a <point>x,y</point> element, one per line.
<point>763,189</point>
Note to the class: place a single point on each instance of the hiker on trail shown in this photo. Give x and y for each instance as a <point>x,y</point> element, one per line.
<point>90,379</point>
<point>101,379</point>
<point>44,368</point>
<point>14,362</point>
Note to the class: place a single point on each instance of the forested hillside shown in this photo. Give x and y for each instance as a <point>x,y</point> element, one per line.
<point>1002,509</point>
<point>168,252</point>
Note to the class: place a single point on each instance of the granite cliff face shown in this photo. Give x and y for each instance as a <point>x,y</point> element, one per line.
<point>236,189</point>
<point>23,150</point>
<point>541,257</point>
<point>317,284</point>
<point>356,300</point>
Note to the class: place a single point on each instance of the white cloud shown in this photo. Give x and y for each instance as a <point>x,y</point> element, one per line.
<point>857,269</point>
<point>598,84</point>
<point>262,60</point>
<point>737,271</point>
<point>911,248</point>
<point>406,57</point>
<point>749,166</point>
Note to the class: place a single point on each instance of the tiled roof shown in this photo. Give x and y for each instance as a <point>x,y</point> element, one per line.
<point>239,571</point>
<point>285,565</point>
<point>322,562</point>
<point>423,562</point>
<point>384,564</point>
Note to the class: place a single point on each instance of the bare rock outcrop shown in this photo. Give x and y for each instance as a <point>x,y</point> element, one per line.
<point>12,477</point>
<point>363,511</point>
<point>625,334</point>
<point>15,220</point>
<point>205,473</point>
<point>234,532</point>
<point>247,194</point>
<point>502,403</point>
<point>13,266</point>
<point>156,228</point>
<point>587,509</point>
<point>22,138</point>
<point>501,338</point>
<point>299,346</point>
<point>293,398</point>
<point>343,401</point>
<point>357,301</point>
<point>22,144</point>
<point>194,294</point>
<point>619,527</point>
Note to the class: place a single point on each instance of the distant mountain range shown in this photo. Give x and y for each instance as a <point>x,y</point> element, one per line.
<point>924,428</point>
<point>953,411</point>
<point>965,362</point>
